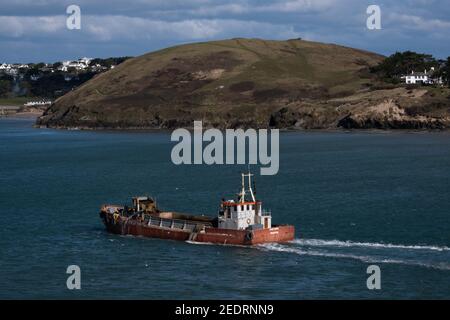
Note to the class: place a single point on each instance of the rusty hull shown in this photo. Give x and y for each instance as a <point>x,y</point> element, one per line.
<point>208,234</point>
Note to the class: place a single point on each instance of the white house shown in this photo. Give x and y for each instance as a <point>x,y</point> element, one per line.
<point>12,71</point>
<point>426,77</point>
<point>85,60</point>
<point>5,66</point>
<point>38,103</point>
<point>97,67</point>
<point>80,64</point>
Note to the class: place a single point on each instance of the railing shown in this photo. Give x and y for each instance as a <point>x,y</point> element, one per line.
<point>266,213</point>
<point>171,223</point>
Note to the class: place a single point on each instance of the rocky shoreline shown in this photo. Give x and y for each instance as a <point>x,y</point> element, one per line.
<point>382,115</point>
<point>349,123</point>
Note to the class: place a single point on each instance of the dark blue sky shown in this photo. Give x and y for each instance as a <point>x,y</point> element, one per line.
<point>35,30</point>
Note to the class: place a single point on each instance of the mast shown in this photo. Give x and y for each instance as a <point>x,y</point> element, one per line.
<point>243,193</point>
<point>250,185</point>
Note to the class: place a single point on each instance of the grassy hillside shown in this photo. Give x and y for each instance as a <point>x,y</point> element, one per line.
<point>229,83</point>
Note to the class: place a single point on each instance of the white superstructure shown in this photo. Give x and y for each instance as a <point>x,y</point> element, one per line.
<point>243,213</point>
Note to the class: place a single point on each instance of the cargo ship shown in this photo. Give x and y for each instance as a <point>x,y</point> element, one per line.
<point>238,222</point>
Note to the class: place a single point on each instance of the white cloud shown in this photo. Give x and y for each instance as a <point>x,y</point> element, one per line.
<point>230,8</point>
<point>180,7</point>
<point>123,28</point>
<point>107,28</point>
<point>298,6</point>
<point>245,7</point>
<point>137,26</point>
<point>17,26</point>
<point>419,23</point>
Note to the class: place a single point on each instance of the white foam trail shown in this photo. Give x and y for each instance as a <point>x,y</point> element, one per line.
<point>367,259</point>
<point>338,243</point>
<point>218,244</point>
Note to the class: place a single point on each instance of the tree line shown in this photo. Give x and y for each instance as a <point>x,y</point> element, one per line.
<point>403,63</point>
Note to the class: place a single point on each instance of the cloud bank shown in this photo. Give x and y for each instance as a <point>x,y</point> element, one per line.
<point>36,30</point>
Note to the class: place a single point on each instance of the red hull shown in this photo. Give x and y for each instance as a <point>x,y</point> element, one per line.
<point>121,225</point>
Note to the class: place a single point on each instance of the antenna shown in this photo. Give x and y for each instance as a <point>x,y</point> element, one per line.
<point>254,187</point>
<point>242,194</point>
<point>250,186</point>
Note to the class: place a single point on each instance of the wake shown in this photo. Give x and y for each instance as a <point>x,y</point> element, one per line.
<point>338,243</point>
<point>324,248</point>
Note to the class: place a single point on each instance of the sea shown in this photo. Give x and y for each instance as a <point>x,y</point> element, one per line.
<point>357,199</point>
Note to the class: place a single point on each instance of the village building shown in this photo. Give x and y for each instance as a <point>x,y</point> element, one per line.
<point>80,64</point>
<point>5,66</point>
<point>426,77</point>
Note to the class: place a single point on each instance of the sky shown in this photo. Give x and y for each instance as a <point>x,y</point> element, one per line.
<point>36,30</point>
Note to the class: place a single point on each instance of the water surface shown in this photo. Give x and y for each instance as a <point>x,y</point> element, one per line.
<point>355,199</point>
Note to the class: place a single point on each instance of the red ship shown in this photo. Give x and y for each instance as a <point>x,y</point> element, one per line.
<point>240,222</point>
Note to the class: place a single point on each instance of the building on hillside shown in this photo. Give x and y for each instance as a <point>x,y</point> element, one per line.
<point>426,77</point>
<point>79,64</point>
<point>5,66</point>
<point>85,61</point>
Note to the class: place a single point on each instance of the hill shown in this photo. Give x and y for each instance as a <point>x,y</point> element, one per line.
<point>246,83</point>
